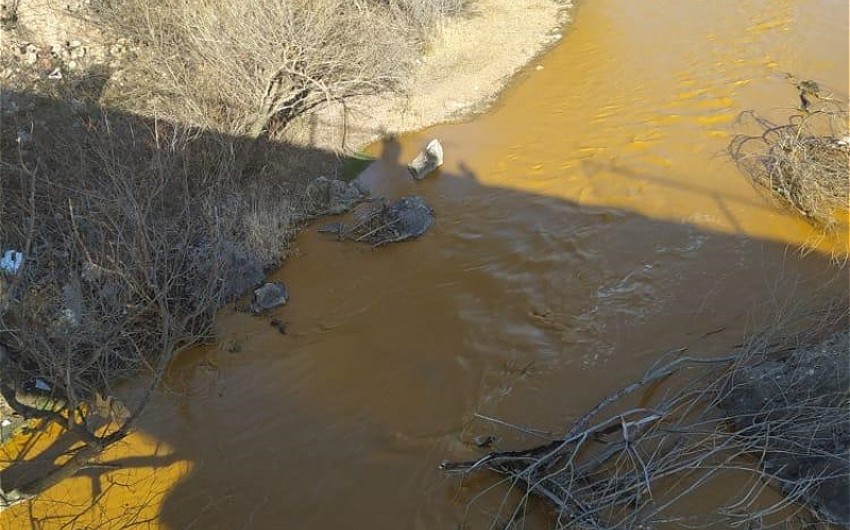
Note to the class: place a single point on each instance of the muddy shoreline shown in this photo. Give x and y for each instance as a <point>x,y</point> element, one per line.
<point>458,77</point>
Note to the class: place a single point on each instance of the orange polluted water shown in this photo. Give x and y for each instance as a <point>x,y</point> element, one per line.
<point>586,225</point>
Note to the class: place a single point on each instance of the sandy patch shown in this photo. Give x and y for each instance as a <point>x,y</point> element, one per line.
<point>471,60</point>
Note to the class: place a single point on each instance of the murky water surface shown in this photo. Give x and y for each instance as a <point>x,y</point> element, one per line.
<point>587,224</point>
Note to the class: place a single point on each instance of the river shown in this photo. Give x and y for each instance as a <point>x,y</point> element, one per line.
<point>588,223</point>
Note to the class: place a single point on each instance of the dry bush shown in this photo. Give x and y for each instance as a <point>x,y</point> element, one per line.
<point>134,234</point>
<point>427,14</point>
<point>772,416</point>
<point>251,67</point>
<point>803,163</point>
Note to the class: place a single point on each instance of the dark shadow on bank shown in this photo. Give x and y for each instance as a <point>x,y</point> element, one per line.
<point>587,278</point>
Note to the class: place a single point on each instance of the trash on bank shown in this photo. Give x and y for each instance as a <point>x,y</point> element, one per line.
<point>11,261</point>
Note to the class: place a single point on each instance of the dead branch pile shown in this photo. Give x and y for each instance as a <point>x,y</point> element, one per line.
<point>803,163</point>
<point>769,421</point>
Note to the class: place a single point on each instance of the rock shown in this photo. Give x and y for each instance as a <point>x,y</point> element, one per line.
<point>484,442</point>
<point>412,216</point>
<point>279,325</point>
<point>427,160</point>
<point>766,400</point>
<point>268,297</point>
<point>325,196</point>
<point>403,219</point>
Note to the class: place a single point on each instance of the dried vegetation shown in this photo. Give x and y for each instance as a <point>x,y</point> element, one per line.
<point>803,163</point>
<point>768,425</point>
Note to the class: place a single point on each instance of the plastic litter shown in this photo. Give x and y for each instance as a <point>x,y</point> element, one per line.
<point>11,261</point>
<point>427,161</point>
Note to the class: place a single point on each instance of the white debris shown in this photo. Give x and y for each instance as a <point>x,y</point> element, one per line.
<point>55,74</point>
<point>5,423</point>
<point>41,384</point>
<point>11,261</point>
<point>427,160</point>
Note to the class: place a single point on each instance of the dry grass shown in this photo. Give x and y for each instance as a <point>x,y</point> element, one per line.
<point>637,464</point>
<point>802,163</point>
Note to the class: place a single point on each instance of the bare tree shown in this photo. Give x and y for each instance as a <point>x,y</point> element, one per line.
<point>250,67</point>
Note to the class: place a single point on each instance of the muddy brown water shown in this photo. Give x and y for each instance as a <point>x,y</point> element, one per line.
<point>588,223</point>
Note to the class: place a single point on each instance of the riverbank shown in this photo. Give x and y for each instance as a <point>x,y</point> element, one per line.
<point>462,72</point>
<point>62,72</point>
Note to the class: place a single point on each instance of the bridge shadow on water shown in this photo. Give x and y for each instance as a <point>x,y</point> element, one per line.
<point>389,352</point>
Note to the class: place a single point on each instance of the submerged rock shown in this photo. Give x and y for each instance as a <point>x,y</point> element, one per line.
<point>269,296</point>
<point>406,218</point>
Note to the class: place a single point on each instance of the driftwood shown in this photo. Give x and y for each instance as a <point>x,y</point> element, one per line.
<point>624,465</point>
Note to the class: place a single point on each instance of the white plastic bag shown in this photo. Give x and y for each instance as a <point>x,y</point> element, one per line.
<point>11,261</point>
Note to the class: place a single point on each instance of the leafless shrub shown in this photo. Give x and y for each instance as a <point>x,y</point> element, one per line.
<point>134,233</point>
<point>802,163</point>
<point>251,67</point>
<point>769,417</point>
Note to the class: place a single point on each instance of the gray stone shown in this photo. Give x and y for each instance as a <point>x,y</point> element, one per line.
<point>767,399</point>
<point>325,196</point>
<point>412,216</point>
<point>403,219</point>
<point>269,296</point>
